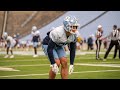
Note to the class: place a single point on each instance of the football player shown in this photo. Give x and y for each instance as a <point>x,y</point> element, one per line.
<point>35,39</point>
<point>10,44</point>
<point>53,46</point>
<point>98,41</point>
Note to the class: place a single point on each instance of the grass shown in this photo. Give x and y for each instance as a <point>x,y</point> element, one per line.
<point>38,68</point>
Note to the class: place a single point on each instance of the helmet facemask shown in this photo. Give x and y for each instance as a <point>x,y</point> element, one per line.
<point>73,29</point>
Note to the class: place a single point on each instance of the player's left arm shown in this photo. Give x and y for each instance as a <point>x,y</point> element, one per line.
<point>79,39</point>
<point>78,36</point>
<point>72,48</point>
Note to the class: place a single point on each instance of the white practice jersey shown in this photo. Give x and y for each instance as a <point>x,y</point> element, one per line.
<point>99,34</point>
<point>58,36</point>
<point>77,33</point>
<point>36,33</point>
<point>10,40</point>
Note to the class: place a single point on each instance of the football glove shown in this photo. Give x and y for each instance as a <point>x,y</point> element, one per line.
<point>55,68</point>
<point>79,39</point>
<point>71,68</point>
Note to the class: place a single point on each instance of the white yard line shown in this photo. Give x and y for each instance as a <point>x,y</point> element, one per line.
<point>103,65</point>
<point>83,64</point>
<point>22,53</point>
<point>59,73</point>
<point>116,62</point>
<point>26,75</point>
<point>26,65</point>
<point>38,59</point>
<point>7,69</point>
<point>21,60</point>
<point>97,71</point>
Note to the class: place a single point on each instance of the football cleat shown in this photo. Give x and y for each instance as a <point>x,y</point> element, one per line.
<point>6,56</point>
<point>12,56</point>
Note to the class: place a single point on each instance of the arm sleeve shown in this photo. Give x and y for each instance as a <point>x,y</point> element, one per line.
<point>50,48</point>
<point>72,48</point>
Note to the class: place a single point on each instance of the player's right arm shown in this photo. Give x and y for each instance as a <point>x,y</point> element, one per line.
<point>53,38</point>
<point>72,47</point>
<point>50,48</point>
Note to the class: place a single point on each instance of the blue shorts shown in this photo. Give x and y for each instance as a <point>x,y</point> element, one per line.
<point>35,44</point>
<point>58,52</point>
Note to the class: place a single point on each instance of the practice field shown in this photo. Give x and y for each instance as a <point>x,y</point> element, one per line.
<point>86,67</point>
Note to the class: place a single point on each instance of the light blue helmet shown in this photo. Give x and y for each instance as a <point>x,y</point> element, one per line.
<point>70,21</point>
<point>5,34</point>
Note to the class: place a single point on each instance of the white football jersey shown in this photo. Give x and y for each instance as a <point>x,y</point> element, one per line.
<point>11,40</point>
<point>58,36</point>
<point>77,33</point>
<point>35,33</point>
<point>98,33</point>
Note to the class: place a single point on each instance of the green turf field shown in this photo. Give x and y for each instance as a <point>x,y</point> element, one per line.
<point>86,67</point>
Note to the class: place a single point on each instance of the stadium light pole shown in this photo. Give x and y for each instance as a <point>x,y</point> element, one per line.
<point>4,22</point>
